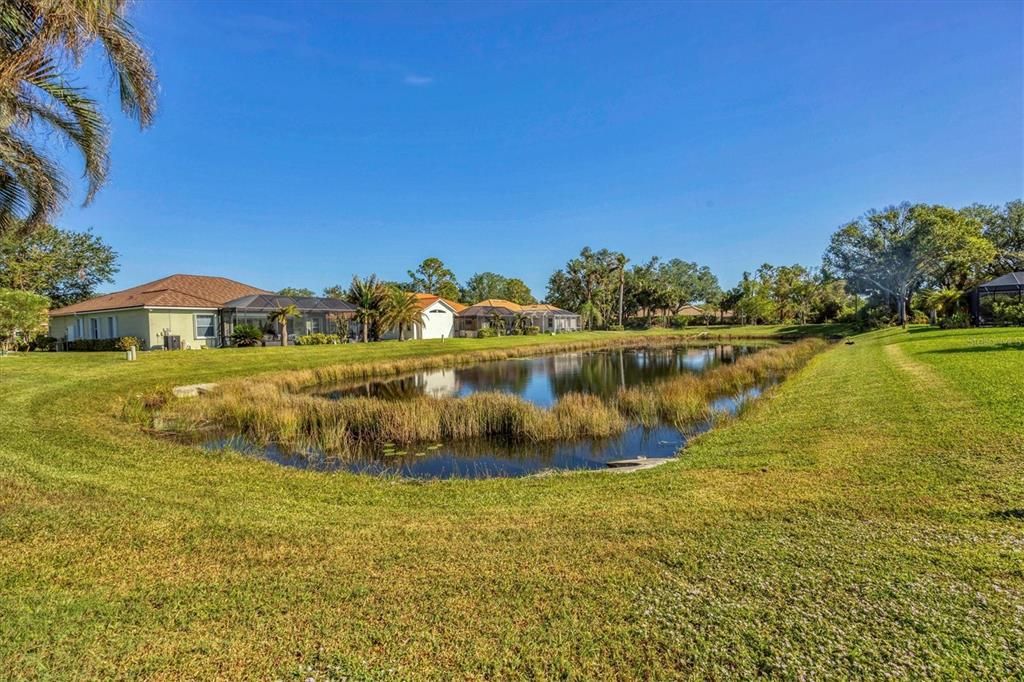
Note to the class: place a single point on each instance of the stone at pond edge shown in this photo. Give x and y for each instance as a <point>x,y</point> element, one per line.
<point>192,390</point>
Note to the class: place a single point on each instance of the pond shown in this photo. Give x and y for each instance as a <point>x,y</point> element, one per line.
<point>540,380</point>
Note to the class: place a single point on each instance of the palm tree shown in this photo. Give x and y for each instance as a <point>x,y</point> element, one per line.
<point>368,296</point>
<point>519,322</point>
<point>37,39</point>
<point>281,316</point>
<point>620,265</point>
<point>401,310</point>
<point>497,321</point>
<point>591,315</point>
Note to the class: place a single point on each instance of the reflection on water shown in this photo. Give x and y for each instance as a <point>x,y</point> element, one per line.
<point>541,380</point>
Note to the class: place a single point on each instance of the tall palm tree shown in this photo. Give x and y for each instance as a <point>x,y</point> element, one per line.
<point>368,296</point>
<point>281,316</point>
<point>401,310</point>
<point>38,39</point>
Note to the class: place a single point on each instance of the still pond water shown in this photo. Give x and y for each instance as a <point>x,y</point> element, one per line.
<point>540,380</point>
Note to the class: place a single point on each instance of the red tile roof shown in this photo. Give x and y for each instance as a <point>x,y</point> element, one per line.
<point>176,291</point>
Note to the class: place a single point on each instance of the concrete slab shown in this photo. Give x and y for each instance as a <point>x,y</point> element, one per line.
<point>625,466</point>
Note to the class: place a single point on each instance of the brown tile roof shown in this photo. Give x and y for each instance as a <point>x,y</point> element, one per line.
<point>176,291</point>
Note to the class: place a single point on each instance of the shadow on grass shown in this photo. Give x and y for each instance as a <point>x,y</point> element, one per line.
<point>1007,514</point>
<point>989,348</point>
<point>836,330</point>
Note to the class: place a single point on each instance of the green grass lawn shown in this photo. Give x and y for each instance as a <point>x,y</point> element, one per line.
<point>865,520</point>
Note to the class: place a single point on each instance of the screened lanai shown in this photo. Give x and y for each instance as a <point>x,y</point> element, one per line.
<point>991,299</point>
<point>316,316</point>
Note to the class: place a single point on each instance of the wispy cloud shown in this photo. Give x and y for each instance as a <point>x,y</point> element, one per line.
<point>417,81</point>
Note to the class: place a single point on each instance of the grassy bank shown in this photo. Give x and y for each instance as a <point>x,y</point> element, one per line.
<point>865,521</point>
<point>268,410</point>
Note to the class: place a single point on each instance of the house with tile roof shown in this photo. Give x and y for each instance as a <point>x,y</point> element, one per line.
<point>191,311</point>
<point>504,315</point>
<point>180,311</point>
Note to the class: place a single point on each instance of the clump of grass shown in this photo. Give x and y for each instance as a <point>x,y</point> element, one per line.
<point>271,412</point>
<point>687,398</point>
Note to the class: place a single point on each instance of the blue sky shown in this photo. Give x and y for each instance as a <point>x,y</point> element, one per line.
<point>299,143</point>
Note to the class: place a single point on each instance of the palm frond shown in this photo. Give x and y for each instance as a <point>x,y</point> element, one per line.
<point>38,177</point>
<point>75,116</point>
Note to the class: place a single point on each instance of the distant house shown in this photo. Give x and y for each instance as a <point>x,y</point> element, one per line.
<point>690,311</point>
<point>437,319</point>
<point>495,311</point>
<point>190,311</point>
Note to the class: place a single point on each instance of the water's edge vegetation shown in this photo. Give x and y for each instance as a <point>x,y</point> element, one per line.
<point>274,411</point>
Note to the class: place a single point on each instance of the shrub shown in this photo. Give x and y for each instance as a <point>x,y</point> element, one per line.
<point>957,320</point>
<point>616,328</point>
<point>1007,314</point>
<point>42,342</point>
<point>94,345</point>
<point>487,333</point>
<point>918,317</point>
<point>679,321</point>
<point>125,343</point>
<point>532,331</point>
<point>318,339</point>
<point>247,335</point>
<point>875,317</point>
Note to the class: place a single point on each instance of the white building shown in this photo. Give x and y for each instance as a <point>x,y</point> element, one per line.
<point>437,319</point>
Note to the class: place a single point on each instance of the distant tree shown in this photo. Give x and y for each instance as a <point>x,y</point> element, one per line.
<point>281,316</point>
<point>1004,227</point>
<point>336,291</point>
<point>481,286</point>
<point>400,310</point>
<point>515,290</point>
<point>645,289</point>
<point>432,277</point>
<point>41,42</point>
<point>21,312</point>
<point>619,268</point>
<point>484,285</point>
<point>753,303</point>
<point>686,283</point>
<point>62,265</point>
<point>296,292</point>
<point>893,251</point>
<point>368,296</point>
<point>592,277</point>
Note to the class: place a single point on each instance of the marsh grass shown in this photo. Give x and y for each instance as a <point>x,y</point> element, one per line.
<point>276,412</point>
<point>688,398</point>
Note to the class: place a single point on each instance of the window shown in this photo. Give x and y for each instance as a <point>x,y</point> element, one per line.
<point>94,328</point>
<point>205,326</point>
<point>111,327</point>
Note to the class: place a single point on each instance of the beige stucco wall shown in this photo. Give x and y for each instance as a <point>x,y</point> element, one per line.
<point>147,325</point>
<point>129,323</point>
<point>179,323</point>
